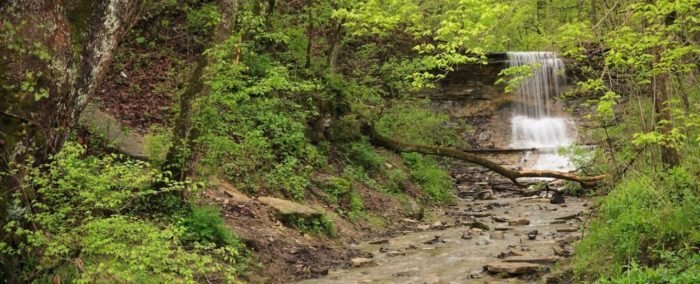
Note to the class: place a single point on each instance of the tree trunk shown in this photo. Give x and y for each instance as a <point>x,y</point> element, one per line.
<point>662,107</point>
<point>336,43</point>
<point>53,55</point>
<point>513,175</point>
<point>309,34</point>
<point>179,157</point>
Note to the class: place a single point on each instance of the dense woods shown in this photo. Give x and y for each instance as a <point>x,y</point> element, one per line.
<point>325,104</point>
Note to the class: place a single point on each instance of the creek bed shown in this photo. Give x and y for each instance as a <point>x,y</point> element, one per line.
<point>410,258</point>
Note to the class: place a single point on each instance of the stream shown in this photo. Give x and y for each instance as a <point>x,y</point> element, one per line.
<point>495,232</point>
<point>521,239</point>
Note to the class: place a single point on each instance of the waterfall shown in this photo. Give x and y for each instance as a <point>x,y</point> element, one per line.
<point>533,124</point>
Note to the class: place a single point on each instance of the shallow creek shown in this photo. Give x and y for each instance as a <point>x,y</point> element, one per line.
<point>494,234</point>
<point>411,258</point>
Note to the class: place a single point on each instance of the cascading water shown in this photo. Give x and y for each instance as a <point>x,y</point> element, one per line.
<point>533,123</point>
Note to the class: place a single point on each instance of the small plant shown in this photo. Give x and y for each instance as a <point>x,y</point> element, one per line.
<point>364,155</point>
<point>204,224</point>
<point>319,225</point>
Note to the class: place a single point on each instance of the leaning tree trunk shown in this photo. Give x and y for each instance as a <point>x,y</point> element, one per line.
<point>53,55</point>
<point>386,142</point>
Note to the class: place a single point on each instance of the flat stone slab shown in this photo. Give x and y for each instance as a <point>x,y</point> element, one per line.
<point>362,262</point>
<point>535,260</point>
<point>519,222</point>
<point>109,128</point>
<point>288,208</point>
<point>513,268</point>
<point>229,190</point>
<point>569,229</point>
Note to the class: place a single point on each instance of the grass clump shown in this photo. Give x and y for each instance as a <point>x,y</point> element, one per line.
<point>434,180</point>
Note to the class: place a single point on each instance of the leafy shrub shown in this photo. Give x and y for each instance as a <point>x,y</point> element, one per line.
<point>341,193</point>
<point>683,267</point>
<point>251,132</point>
<point>642,219</point>
<point>204,18</point>
<point>204,224</point>
<point>364,155</point>
<point>337,188</point>
<point>129,250</point>
<point>92,213</point>
<point>320,225</point>
<point>396,179</point>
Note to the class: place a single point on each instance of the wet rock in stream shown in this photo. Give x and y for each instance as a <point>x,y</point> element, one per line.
<point>435,240</point>
<point>362,262</point>
<point>557,198</point>
<point>513,268</point>
<point>532,235</point>
<point>519,222</point>
<point>467,235</point>
<point>497,235</point>
<point>485,195</point>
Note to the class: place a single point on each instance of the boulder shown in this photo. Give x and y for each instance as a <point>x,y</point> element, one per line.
<point>286,208</point>
<point>107,127</point>
<point>229,190</point>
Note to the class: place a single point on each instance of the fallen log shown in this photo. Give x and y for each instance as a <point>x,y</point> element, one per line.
<point>382,141</point>
<point>514,150</point>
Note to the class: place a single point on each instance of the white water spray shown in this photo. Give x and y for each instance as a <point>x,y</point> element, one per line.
<point>532,124</point>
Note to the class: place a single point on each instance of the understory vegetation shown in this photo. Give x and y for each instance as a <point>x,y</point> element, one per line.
<point>276,98</point>
<point>112,219</point>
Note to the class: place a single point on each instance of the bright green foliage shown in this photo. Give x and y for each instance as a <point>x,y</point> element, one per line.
<point>204,224</point>
<point>204,18</point>
<point>513,77</point>
<point>445,33</point>
<point>127,250</point>
<point>642,221</point>
<point>158,141</point>
<point>436,182</point>
<point>251,133</point>
<point>321,225</point>
<point>92,222</point>
<point>414,122</point>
